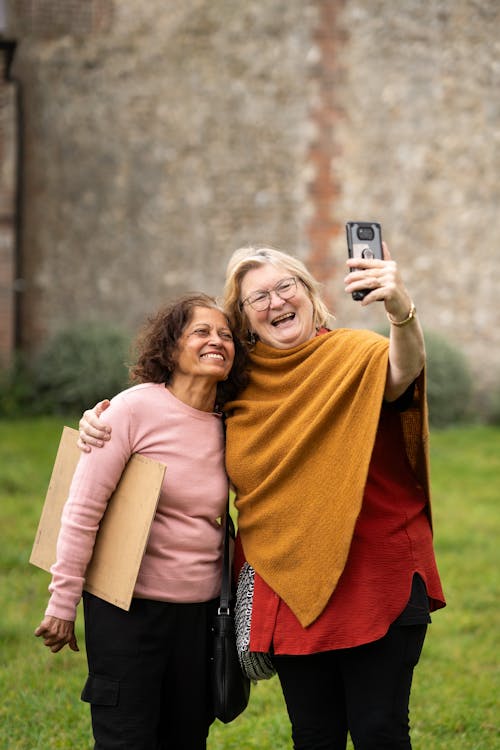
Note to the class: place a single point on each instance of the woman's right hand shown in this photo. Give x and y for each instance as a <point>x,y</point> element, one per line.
<point>93,432</point>
<point>56,633</point>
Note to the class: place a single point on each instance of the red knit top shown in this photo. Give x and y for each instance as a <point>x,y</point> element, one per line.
<point>392,541</point>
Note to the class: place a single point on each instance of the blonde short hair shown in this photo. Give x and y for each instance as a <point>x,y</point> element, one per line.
<point>245,259</point>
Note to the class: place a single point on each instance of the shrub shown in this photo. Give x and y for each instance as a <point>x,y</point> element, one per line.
<point>16,387</point>
<point>449,382</point>
<point>79,366</point>
<point>491,409</point>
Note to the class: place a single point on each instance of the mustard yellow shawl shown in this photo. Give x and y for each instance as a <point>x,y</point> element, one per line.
<point>299,443</point>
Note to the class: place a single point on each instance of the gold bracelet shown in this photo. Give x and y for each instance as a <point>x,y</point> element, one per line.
<point>408,319</point>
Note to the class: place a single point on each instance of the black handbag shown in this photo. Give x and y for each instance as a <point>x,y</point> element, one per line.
<point>230,687</point>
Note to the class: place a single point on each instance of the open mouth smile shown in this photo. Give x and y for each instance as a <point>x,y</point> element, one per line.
<point>282,318</point>
<point>213,355</point>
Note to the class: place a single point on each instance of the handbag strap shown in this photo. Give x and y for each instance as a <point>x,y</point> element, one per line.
<point>225,590</point>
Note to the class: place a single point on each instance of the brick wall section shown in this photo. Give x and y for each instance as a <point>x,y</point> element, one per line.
<point>324,188</point>
<point>7,218</point>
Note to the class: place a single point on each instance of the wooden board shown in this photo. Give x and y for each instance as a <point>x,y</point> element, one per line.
<point>124,529</point>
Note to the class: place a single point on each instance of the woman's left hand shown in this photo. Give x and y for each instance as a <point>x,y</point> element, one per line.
<point>384,281</point>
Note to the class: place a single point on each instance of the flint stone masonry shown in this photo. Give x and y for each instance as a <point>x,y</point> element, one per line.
<point>154,150</point>
<point>158,140</point>
<point>419,147</point>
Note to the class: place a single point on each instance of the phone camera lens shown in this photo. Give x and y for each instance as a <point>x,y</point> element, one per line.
<point>365,233</point>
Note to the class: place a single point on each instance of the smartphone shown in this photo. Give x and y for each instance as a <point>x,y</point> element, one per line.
<point>364,240</point>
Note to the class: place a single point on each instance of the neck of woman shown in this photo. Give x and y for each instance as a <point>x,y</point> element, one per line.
<point>193,392</point>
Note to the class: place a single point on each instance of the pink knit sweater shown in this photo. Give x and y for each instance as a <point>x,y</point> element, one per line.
<point>183,555</point>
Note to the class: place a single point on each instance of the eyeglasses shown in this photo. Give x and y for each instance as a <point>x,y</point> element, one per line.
<point>261,300</point>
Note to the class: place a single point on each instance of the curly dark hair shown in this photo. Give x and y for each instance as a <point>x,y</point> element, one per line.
<point>156,347</point>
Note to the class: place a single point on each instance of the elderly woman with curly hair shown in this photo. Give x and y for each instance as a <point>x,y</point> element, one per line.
<point>148,668</point>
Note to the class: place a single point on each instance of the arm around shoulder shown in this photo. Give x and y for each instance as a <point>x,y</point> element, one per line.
<point>92,431</point>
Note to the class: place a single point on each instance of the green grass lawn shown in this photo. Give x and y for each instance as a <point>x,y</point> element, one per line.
<point>455,695</point>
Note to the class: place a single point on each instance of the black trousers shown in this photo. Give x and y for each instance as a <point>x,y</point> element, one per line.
<point>148,682</point>
<point>364,691</point>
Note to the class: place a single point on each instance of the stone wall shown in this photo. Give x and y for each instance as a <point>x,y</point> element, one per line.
<point>418,147</point>
<point>156,141</point>
<point>154,149</point>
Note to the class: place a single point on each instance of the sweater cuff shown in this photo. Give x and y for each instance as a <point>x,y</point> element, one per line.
<point>61,610</point>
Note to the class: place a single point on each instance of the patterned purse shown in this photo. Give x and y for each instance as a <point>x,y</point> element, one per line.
<point>256,665</point>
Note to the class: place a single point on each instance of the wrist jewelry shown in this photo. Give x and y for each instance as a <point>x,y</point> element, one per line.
<point>408,319</point>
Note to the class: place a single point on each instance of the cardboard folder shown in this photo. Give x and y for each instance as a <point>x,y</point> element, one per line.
<point>124,528</point>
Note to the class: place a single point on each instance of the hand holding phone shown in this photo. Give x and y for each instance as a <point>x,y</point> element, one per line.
<point>364,240</point>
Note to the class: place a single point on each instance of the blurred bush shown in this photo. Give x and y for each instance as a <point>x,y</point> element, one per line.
<point>17,389</point>
<point>79,366</point>
<point>75,368</point>
<point>449,382</point>
<point>491,406</point>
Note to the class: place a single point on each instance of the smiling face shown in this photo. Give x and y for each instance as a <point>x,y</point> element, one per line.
<point>286,323</point>
<point>206,347</point>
